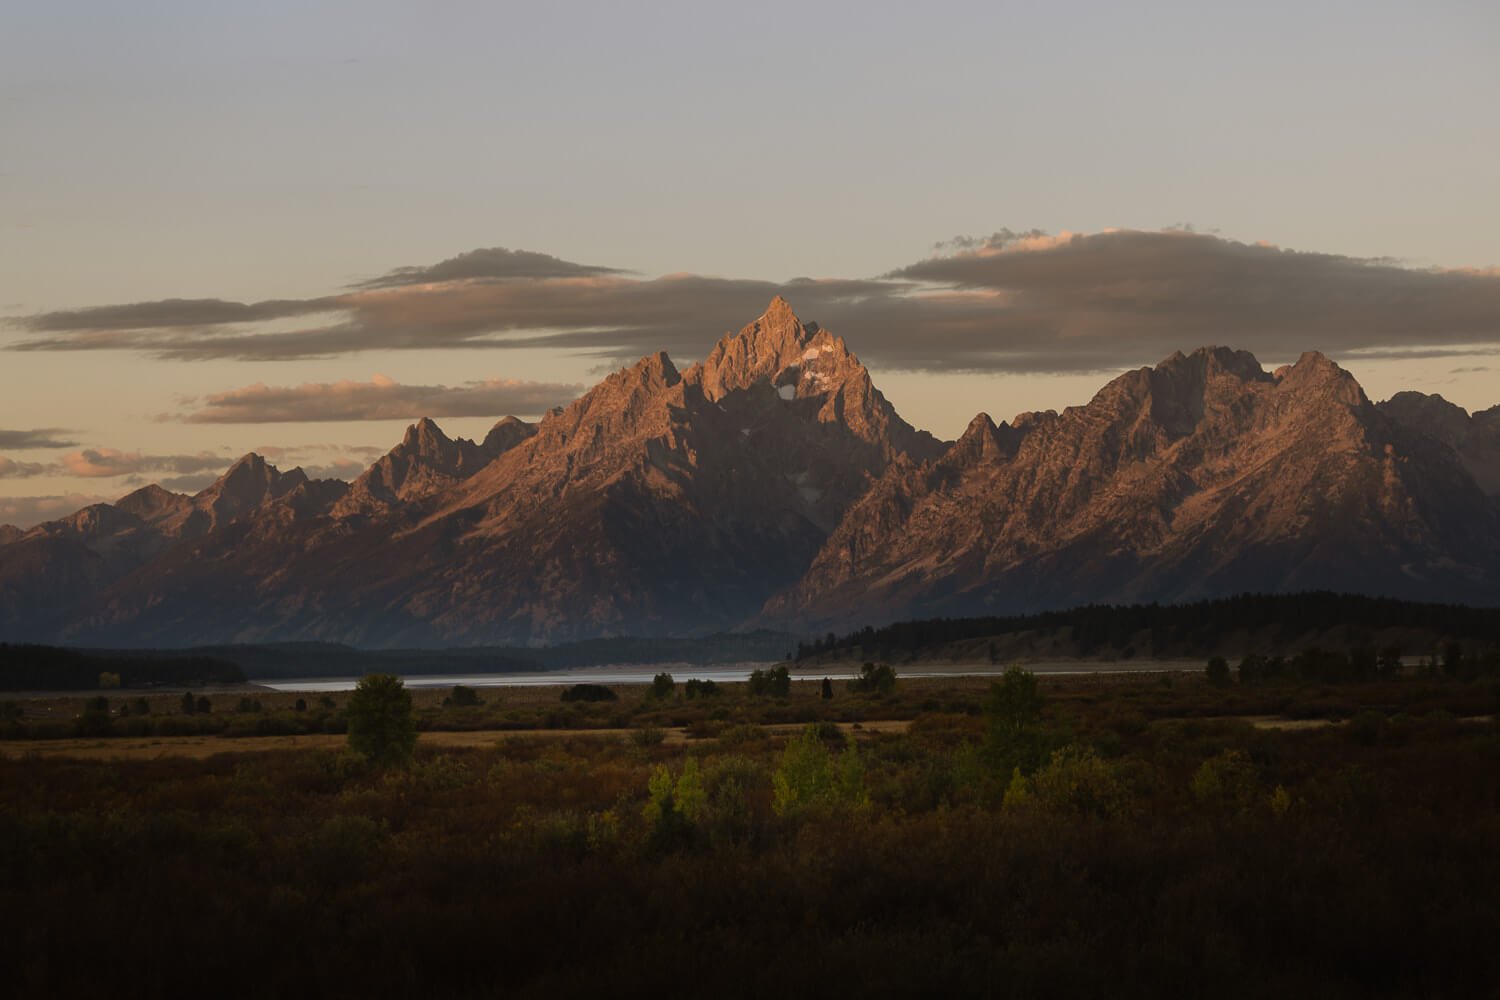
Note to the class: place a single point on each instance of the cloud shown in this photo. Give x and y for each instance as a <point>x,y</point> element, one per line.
<point>381,398</point>
<point>1013,301</point>
<point>490,263</point>
<point>11,469</point>
<point>102,463</point>
<point>26,512</point>
<point>44,437</point>
<point>170,313</point>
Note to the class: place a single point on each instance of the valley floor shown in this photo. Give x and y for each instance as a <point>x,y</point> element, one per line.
<point>1125,835</point>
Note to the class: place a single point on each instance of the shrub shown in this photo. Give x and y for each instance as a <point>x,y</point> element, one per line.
<point>1227,780</point>
<point>462,697</point>
<point>589,692</point>
<point>1076,779</point>
<point>1367,727</point>
<point>662,686</point>
<point>650,736</point>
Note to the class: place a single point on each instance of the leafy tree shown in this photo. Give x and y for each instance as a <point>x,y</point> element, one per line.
<point>203,706</point>
<point>662,685</point>
<point>1013,713</point>
<point>879,679</point>
<point>827,689</point>
<point>808,778</point>
<point>696,688</point>
<point>1217,671</point>
<point>1390,661</point>
<point>189,705</point>
<point>1453,658</point>
<point>381,724</point>
<point>776,682</point>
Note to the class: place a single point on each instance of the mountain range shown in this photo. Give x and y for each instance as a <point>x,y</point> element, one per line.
<point>772,484</point>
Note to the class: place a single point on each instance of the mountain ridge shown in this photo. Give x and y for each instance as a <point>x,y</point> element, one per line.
<point>771,483</point>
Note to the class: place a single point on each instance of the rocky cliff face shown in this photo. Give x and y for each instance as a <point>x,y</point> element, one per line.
<point>660,501</point>
<point>425,463</point>
<point>54,573</point>
<point>1475,438</point>
<point>773,482</point>
<point>1204,475</point>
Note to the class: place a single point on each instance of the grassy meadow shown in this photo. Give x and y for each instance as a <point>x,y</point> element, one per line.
<point>1125,835</point>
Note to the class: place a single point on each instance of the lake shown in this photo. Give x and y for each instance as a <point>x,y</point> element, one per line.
<point>729,673</point>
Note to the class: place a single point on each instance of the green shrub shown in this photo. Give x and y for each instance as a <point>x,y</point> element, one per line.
<point>589,692</point>
<point>462,697</point>
<point>1076,779</point>
<point>1227,780</point>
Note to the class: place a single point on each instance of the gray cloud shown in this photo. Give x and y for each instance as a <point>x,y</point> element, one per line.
<point>1013,301</point>
<point>42,437</point>
<point>379,399</point>
<point>103,463</point>
<point>488,263</point>
<point>171,313</point>
<point>11,469</point>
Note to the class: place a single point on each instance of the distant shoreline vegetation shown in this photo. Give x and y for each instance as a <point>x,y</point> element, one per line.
<point>1248,623</point>
<point>59,668</point>
<point>49,668</point>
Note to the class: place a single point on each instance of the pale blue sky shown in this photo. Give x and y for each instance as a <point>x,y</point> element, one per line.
<point>286,150</point>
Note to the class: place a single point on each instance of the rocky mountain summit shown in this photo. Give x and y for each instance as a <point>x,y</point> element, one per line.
<point>772,482</point>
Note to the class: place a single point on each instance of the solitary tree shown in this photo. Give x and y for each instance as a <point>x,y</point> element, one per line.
<point>1217,671</point>
<point>381,725</point>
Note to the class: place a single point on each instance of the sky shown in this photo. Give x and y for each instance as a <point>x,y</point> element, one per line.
<point>296,227</point>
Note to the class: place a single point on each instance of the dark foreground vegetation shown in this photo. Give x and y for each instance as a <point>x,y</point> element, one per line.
<point>1121,836</point>
<point>1266,624</point>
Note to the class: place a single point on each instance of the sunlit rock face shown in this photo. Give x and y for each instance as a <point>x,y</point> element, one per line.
<point>1202,476</point>
<point>773,483</point>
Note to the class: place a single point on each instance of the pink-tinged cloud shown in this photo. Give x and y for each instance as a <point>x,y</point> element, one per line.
<point>381,398</point>
<point>1017,301</point>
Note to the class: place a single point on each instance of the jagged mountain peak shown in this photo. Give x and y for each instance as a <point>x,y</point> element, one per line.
<point>1474,438</point>
<point>152,503</point>
<point>425,436</point>
<point>247,484</point>
<point>763,349</point>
